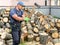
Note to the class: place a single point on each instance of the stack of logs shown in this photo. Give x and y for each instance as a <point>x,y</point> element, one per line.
<point>5,37</point>
<point>5,31</point>
<point>42,28</point>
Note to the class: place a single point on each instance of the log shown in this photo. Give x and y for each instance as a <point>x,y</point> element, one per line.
<point>1,24</point>
<point>35,30</point>
<point>56,41</point>
<point>30,37</point>
<point>8,9</point>
<point>44,22</point>
<point>5,19</point>
<point>58,25</point>
<point>30,32</point>
<point>41,19</point>
<point>7,25</point>
<point>35,34</point>
<point>37,38</point>
<point>57,44</point>
<point>23,36</point>
<point>33,24</point>
<point>58,21</point>
<point>7,30</point>
<point>39,14</point>
<point>52,30</point>
<point>5,15</point>
<point>29,26</point>
<point>32,18</point>
<point>59,34</point>
<point>55,35</point>
<point>52,24</point>
<point>1,31</point>
<point>24,29</point>
<point>23,24</point>
<point>9,42</point>
<point>2,42</point>
<point>47,26</point>
<point>49,43</point>
<point>6,36</point>
<point>43,38</point>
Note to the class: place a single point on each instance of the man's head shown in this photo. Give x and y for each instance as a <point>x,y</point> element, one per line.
<point>20,5</point>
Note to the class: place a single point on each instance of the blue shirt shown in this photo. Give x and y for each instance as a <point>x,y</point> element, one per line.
<point>15,11</point>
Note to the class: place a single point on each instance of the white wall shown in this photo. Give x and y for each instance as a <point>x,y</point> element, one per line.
<point>14,2</point>
<point>5,2</point>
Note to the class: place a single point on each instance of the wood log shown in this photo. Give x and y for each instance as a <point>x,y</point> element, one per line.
<point>7,25</point>
<point>30,37</point>
<point>23,24</point>
<point>47,30</point>
<point>32,18</point>
<point>55,35</point>
<point>44,22</point>
<point>37,38</point>
<point>52,30</point>
<point>30,32</point>
<point>35,30</point>
<point>49,43</point>
<point>1,31</point>
<point>9,42</point>
<point>58,21</point>
<point>33,24</point>
<point>23,36</point>
<point>8,9</point>
<point>52,24</point>
<point>5,14</point>
<point>57,44</point>
<point>29,26</point>
<point>1,23</point>
<point>52,20</point>
<point>47,26</point>
<point>6,36</point>
<point>41,19</point>
<point>59,34</point>
<point>24,29</point>
<point>56,41</point>
<point>58,24</point>
<point>7,30</point>
<point>43,38</point>
<point>2,42</point>
<point>5,19</point>
<point>35,34</point>
<point>39,14</point>
<point>2,11</point>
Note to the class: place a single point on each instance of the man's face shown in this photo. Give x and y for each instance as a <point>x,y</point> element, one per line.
<point>20,7</point>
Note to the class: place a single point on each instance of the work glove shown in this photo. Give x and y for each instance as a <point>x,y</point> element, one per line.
<point>27,19</point>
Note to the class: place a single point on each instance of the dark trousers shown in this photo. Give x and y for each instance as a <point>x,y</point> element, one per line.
<point>16,33</point>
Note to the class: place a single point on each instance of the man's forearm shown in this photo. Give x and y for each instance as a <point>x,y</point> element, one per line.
<point>18,18</point>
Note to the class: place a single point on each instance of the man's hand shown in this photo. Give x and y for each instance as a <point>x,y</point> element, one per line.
<point>26,19</point>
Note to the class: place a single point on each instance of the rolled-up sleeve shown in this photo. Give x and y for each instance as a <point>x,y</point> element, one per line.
<point>12,12</point>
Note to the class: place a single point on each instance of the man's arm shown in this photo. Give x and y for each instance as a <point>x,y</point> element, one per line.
<point>17,17</point>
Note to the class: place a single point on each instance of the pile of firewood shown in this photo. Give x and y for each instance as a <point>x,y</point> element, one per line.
<point>42,28</point>
<point>5,37</point>
<point>5,31</point>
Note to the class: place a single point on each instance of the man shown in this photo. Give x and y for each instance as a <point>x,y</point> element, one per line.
<point>16,16</point>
